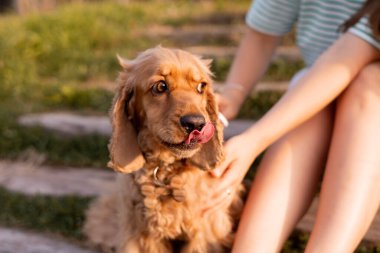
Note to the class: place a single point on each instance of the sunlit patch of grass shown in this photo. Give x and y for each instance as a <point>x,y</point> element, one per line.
<point>77,43</point>
<point>46,58</point>
<point>76,98</point>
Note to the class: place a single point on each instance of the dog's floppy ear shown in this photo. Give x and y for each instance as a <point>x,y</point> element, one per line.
<point>211,153</point>
<point>124,151</point>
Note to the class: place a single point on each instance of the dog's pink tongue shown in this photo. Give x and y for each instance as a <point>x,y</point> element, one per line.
<point>202,136</point>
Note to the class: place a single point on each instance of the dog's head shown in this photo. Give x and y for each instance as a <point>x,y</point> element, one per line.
<point>165,107</point>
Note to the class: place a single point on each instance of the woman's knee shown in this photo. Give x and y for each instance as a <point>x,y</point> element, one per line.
<point>364,90</point>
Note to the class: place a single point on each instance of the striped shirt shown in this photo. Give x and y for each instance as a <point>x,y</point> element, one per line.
<point>318,22</point>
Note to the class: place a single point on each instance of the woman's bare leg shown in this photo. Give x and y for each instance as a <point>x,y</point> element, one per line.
<point>350,193</point>
<point>284,186</point>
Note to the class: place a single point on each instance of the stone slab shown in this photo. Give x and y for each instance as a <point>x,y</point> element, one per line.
<point>36,179</point>
<point>74,124</point>
<point>16,241</point>
<point>236,127</point>
<point>193,34</point>
<point>68,123</point>
<point>289,53</point>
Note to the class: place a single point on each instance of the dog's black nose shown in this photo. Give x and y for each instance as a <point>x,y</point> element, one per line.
<point>192,122</point>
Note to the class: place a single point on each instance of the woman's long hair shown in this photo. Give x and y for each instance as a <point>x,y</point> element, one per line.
<point>370,8</point>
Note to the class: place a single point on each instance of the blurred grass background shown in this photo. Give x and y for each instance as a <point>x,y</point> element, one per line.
<point>64,59</point>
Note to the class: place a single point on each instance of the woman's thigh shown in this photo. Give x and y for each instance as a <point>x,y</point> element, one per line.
<point>350,192</point>
<point>284,186</point>
<point>357,123</point>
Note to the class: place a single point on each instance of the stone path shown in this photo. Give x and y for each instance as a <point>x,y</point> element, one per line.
<point>68,123</point>
<point>280,86</point>
<point>21,177</point>
<point>17,241</point>
<point>30,177</point>
<point>194,34</point>
<point>54,181</point>
<point>288,53</point>
<point>37,179</point>
<point>74,124</point>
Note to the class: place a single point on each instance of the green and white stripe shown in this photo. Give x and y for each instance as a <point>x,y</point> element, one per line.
<point>318,22</point>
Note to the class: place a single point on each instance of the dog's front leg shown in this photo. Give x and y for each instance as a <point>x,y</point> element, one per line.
<point>197,244</point>
<point>145,244</point>
<point>130,246</point>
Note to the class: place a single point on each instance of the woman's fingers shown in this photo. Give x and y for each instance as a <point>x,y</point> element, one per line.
<point>229,173</point>
<point>231,177</point>
<point>223,189</point>
<point>218,201</point>
<point>227,106</point>
<point>230,157</point>
<point>219,171</point>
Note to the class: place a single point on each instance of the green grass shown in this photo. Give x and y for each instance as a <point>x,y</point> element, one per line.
<point>56,52</point>
<point>79,42</point>
<point>283,70</point>
<point>77,98</point>
<point>88,150</point>
<point>60,60</point>
<point>59,215</point>
<point>255,106</point>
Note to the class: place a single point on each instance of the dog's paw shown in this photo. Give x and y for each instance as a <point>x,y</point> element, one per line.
<point>147,189</point>
<point>177,182</point>
<point>162,191</point>
<point>179,195</point>
<point>151,203</point>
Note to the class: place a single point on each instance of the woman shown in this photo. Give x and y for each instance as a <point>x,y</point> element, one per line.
<point>328,121</point>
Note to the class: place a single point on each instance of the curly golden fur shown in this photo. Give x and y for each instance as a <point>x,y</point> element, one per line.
<point>163,178</point>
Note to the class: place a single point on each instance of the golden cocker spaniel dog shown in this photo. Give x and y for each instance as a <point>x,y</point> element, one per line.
<point>166,136</point>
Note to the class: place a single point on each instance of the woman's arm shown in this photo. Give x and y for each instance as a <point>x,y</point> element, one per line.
<point>251,61</point>
<point>326,79</point>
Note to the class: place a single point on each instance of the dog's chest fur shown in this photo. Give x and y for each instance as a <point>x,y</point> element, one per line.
<point>171,205</point>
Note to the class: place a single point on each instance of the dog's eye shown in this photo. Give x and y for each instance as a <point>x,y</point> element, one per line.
<point>201,86</point>
<point>159,87</point>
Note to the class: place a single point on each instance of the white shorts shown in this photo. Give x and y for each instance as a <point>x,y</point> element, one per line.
<point>296,77</point>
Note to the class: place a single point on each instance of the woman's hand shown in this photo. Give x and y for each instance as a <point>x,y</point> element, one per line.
<point>229,102</point>
<point>240,153</point>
